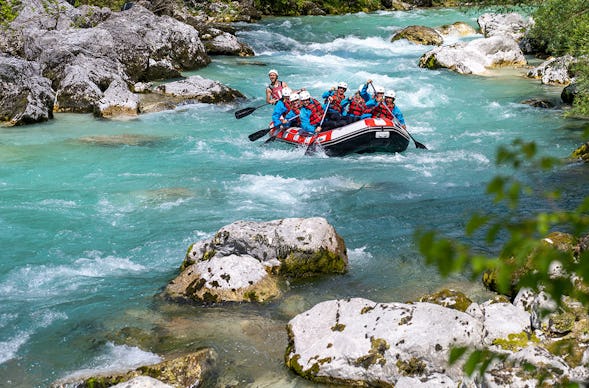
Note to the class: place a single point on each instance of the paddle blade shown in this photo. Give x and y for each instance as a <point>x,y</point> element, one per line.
<point>256,135</point>
<point>420,145</point>
<point>244,112</point>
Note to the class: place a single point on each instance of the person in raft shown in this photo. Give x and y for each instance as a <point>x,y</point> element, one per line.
<point>337,94</point>
<point>387,109</point>
<point>355,106</point>
<point>311,114</point>
<point>274,89</point>
<point>281,107</point>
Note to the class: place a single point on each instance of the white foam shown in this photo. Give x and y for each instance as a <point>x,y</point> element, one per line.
<point>291,191</point>
<point>359,255</point>
<point>117,359</point>
<point>8,349</point>
<point>58,203</point>
<point>42,281</point>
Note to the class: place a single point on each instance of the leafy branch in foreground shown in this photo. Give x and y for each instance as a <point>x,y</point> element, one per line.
<point>526,258</point>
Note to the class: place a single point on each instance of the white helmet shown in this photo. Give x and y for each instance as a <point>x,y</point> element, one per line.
<point>390,94</point>
<point>273,71</point>
<point>304,95</point>
<point>379,89</point>
<point>286,92</point>
<point>342,85</point>
<point>294,97</point>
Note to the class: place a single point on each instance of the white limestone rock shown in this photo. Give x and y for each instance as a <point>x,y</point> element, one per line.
<point>200,89</point>
<point>360,341</point>
<point>117,101</point>
<point>142,382</point>
<point>512,24</point>
<point>502,319</point>
<point>554,71</point>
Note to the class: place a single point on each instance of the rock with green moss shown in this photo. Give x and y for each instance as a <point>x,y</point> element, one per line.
<point>581,153</point>
<point>419,35</point>
<point>459,29</point>
<point>363,343</point>
<point>250,261</point>
<point>448,298</point>
<point>190,370</point>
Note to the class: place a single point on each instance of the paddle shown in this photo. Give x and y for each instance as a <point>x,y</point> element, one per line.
<point>310,149</point>
<point>262,132</point>
<point>396,120</point>
<point>272,138</point>
<point>247,111</point>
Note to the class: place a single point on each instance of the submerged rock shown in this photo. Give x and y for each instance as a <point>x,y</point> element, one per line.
<point>249,261</point>
<point>120,140</point>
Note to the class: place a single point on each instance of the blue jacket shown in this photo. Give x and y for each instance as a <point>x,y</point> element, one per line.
<point>397,113</point>
<point>279,110</point>
<point>306,120</point>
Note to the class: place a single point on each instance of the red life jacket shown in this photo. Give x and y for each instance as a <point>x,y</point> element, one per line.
<point>381,112</point>
<point>316,112</point>
<point>336,102</point>
<point>357,107</point>
<point>276,90</point>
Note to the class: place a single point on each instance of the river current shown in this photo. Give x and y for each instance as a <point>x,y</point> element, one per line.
<point>91,230</point>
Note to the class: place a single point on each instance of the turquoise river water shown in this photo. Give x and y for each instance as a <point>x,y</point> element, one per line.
<point>91,232</point>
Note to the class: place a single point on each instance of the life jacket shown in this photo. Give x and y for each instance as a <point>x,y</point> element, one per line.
<point>336,102</point>
<point>381,112</point>
<point>276,90</point>
<point>357,107</point>
<point>316,112</point>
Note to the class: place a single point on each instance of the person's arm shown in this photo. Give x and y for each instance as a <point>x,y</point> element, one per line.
<point>399,115</point>
<point>371,103</point>
<point>279,110</point>
<point>269,98</point>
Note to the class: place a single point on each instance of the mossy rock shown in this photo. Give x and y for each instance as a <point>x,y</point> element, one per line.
<point>448,298</point>
<point>562,323</point>
<point>419,35</point>
<point>516,341</point>
<point>581,153</point>
<point>569,349</point>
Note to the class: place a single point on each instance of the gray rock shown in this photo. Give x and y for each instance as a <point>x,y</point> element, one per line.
<point>554,71</point>
<point>243,260</point>
<point>419,35</point>
<point>26,96</point>
<point>476,56</point>
<point>360,342</point>
<point>117,100</point>
<point>512,24</point>
<point>456,29</point>
<point>199,89</point>
<point>219,42</point>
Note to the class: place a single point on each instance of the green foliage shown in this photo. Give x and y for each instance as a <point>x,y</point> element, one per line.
<point>524,259</point>
<point>303,7</point>
<point>8,11</point>
<point>115,5</point>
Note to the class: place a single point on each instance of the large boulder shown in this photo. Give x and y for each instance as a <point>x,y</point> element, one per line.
<point>511,24</point>
<point>357,342</point>
<point>117,100</point>
<point>360,342</point>
<point>476,56</point>
<point>419,35</point>
<point>244,260</point>
<point>555,71</point>
<point>26,96</point>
